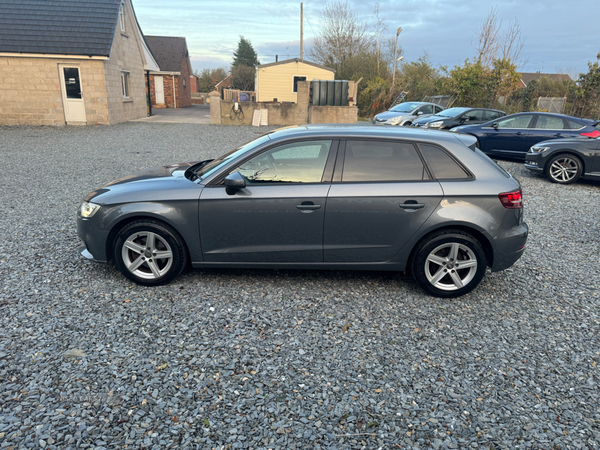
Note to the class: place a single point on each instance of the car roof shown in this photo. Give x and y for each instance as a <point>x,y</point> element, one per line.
<point>564,116</point>
<point>360,131</point>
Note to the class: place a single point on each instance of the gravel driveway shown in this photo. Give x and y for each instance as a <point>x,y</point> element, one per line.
<point>269,359</point>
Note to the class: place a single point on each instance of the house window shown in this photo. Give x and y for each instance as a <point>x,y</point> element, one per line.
<point>125,84</point>
<point>296,79</point>
<point>122,19</point>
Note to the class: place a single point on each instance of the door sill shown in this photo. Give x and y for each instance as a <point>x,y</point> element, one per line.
<point>77,123</point>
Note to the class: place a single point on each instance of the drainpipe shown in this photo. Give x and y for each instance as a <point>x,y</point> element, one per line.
<point>149,93</point>
<point>174,94</point>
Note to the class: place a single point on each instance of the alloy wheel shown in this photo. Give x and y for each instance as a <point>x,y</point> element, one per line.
<point>147,255</point>
<point>451,266</point>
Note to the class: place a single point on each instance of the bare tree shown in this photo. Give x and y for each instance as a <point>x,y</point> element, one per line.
<point>379,29</point>
<point>488,35</point>
<point>342,36</point>
<point>511,45</point>
<point>492,44</point>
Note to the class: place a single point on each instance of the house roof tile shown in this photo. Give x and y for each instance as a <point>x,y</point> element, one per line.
<point>169,51</point>
<point>64,27</point>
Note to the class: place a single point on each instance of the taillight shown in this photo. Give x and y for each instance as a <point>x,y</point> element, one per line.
<point>512,200</point>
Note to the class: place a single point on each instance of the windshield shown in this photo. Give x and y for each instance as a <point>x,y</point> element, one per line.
<point>405,107</point>
<point>208,169</point>
<point>452,112</point>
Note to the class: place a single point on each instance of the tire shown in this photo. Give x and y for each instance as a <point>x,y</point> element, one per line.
<point>138,258</point>
<point>449,264</point>
<point>564,169</point>
<point>407,124</point>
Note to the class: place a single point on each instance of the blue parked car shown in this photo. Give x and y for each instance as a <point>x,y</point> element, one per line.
<point>512,136</point>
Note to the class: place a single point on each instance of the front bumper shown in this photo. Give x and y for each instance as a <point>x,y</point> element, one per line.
<point>94,239</point>
<point>533,165</point>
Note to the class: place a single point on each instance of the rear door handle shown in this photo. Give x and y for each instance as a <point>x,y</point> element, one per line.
<point>558,135</point>
<point>415,205</point>
<point>518,133</point>
<point>308,207</point>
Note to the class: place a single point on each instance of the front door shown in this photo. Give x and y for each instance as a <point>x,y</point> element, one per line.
<point>278,216</point>
<point>159,90</point>
<point>510,138</point>
<point>72,94</point>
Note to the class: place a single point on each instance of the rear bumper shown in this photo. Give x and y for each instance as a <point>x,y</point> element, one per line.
<point>511,249</point>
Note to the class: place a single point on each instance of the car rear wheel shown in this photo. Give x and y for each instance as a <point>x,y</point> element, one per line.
<point>564,169</point>
<point>149,253</point>
<point>449,264</point>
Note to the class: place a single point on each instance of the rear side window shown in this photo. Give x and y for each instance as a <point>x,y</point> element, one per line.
<point>442,165</point>
<point>382,161</point>
<point>491,115</point>
<point>549,123</point>
<point>574,125</point>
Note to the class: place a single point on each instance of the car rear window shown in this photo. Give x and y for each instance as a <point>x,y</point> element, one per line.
<point>442,164</point>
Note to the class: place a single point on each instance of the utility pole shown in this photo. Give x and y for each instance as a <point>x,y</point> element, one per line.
<point>395,55</point>
<point>301,31</point>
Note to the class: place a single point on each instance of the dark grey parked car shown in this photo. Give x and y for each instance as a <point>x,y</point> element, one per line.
<point>321,197</point>
<point>564,161</point>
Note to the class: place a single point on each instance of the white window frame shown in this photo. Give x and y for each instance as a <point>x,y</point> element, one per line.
<point>122,19</point>
<point>126,84</point>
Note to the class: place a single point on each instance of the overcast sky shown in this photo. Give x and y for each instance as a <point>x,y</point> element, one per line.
<point>559,36</point>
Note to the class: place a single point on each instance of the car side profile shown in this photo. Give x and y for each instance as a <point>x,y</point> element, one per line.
<point>566,160</point>
<point>512,136</point>
<point>406,113</point>
<point>317,197</point>
<point>453,117</point>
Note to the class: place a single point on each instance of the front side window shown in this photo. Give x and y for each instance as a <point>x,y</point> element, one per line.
<point>550,123</point>
<point>522,121</point>
<point>299,162</point>
<point>427,109</point>
<point>382,161</point>
<point>125,84</point>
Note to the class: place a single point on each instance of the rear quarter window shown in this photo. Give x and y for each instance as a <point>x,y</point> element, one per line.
<point>443,166</point>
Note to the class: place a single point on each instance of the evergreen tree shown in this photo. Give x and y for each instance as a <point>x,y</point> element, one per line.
<point>245,54</point>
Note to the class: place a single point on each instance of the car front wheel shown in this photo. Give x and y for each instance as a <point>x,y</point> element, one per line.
<point>449,264</point>
<point>564,169</point>
<point>149,253</point>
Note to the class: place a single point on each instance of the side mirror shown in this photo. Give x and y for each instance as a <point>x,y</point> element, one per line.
<point>234,182</point>
<point>495,125</point>
<point>420,113</point>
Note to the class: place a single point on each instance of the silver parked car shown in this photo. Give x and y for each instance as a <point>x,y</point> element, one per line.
<point>317,197</point>
<point>406,113</point>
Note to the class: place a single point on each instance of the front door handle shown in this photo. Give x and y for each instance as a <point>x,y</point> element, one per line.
<point>518,133</point>
<point>558,135</point>
<point>308,207</point>
<point>408,205</point>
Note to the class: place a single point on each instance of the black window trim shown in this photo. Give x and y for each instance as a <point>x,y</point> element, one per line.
<point>470,175</point>
<point>339,166</point>
<point>218,180</point>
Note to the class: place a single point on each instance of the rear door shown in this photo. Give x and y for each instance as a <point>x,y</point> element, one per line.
<point>381,195</point>
<point>548,127</point>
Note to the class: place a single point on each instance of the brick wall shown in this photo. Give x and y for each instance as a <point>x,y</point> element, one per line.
<point>184,90</point>
<point>30,91</point>
<point>167,88</point>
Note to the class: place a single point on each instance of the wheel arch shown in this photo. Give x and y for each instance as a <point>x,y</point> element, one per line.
<point>123,222</point>
<point>485,242</point>
<point>566,151</point>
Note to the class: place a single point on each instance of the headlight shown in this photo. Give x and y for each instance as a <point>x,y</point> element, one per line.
<point>535,149</point>
<point>437,124</point>
<point>395,119</point>
<point>88,209</point>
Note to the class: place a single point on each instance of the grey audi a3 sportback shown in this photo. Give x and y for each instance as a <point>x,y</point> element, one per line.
<point>318,197</point>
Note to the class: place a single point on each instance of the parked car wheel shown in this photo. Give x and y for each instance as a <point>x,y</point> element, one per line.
<point>149,253</point>
<point>449,264</point>
<point>407,124</point>
<point>564,168</point>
